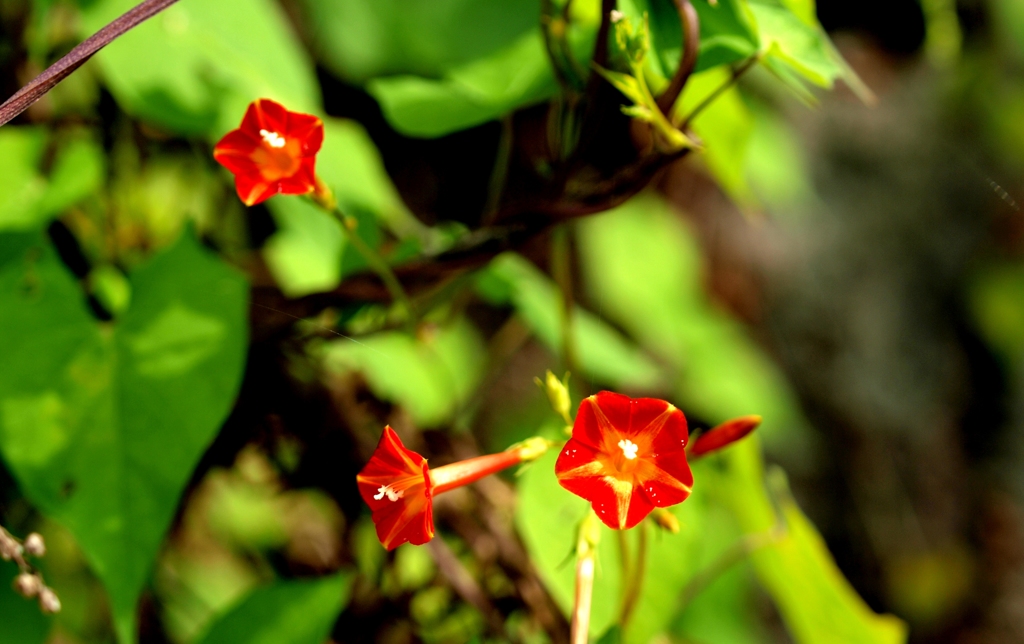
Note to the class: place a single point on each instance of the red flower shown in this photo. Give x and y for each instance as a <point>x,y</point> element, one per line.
<point>626,456</point>
<point>272,152</point>
<point>399,488</point>
<point>725,434</point>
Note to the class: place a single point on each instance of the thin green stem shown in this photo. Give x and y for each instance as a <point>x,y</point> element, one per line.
<point>561,268</point>
<point>377,265</point>
<point>636,581</point>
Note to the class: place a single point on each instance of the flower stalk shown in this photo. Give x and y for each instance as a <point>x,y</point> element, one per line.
<point>586,558</point>
<point>29,582</point>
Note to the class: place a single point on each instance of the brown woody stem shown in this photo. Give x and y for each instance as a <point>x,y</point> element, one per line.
<point>74,59</point>
<point>687,60</point>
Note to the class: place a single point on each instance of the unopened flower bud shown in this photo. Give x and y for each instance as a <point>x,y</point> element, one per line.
<point>28,585</point>
<point>532,448</point>
<point>34,545</point>
<point>49,603</point>
<point>666,520</point>
<point>725,434</point>
<point>558,393</point>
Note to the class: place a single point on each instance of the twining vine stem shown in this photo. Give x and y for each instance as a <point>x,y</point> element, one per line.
<point>55,73</point>
<point>687,59</point>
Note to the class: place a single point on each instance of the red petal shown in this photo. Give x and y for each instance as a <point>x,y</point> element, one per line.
<point>234,152</point>
<point>725,434</point>
<point>671,435</point>
<point>303,181</point>
<point>308,129</point>
<point>253,189</point>
<point>265,114</point>
<point>665,480</point>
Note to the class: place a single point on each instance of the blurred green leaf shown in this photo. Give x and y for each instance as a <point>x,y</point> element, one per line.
<point>603,353</point>
<point>789,41</point>
<point>518,74</point>
<point>815,600</point>
<point>102,423</point>
<point>720,372</point>
<point>431,376</point>
<point>196,66</point>
<point>21,622</point>
<point>485,88</point>
<point>288,612</point>
<point>997,304</point>
<point>724,127</point>
<point>727,32</point>
<point>27,198</point>
<point>305,253</point>
<point>361,40</point>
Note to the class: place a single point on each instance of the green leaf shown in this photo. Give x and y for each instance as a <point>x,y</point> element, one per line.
<point>304,255</point>
<point>27,199</point>
<point>789,41</point>
<point>815,600</point>
<point>431,376</point>
<point>720,372</point>
<point>102,423</point>
<point>727,32</point>
<point>287,612</point>
<point>603,353</point>
<point>516,75</point>
<point>724,127</point>
<point>21,622</point>
<point>361,40</point>
<point>194,67</point>
<point>475,93</point>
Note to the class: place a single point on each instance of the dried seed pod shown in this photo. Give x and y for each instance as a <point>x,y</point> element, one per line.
<point>28,585</point>
<point>34,545</point>
<point>49,603</point>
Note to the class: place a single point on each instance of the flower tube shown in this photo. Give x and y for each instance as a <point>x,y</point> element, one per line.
<point>399,487</point>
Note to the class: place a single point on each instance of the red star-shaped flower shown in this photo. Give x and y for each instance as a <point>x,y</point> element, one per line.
<point>400,488</point>
<point>626,456</point>
<point>272,152</point>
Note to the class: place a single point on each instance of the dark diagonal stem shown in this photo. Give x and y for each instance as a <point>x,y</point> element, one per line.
<point>74,59</point>
<point>687,60</point>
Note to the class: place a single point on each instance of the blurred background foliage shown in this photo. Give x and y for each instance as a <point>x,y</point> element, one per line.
<point>188,387</point>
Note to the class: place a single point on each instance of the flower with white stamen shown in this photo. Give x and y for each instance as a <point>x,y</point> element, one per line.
<point>629,448</point>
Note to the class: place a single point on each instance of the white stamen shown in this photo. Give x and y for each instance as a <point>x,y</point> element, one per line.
<point>616,15</point>
<point>385,490</point>
<point>629,448</point>
<point>273,139</point>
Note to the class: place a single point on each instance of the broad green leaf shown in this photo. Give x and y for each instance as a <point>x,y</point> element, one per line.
<point>194,67</point>
<point>102,423</point>
<point>720,373</point>
<point>431,375</point>
<point>361,40</point>
<point>304,255</point>
<point>815,600</point>
<point>603,353</point>
<point>724,127</point>
<point>516,75</point>
<point>727,32</point>
<point>27,198</point>
<point>789,41</point>
<point>20,619</point>
<point>287,612</point>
